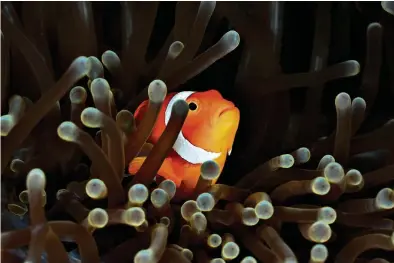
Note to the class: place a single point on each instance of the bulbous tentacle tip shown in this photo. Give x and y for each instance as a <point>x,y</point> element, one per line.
<point>144,256</point>
<point>36,179</point>
<point>78,95</point>
<point>67,131</point>
<point>388,6</point>
<point>91,117</point>
<point>80,63</point>
<point>157,91</point>
<point>232,38</point>
<point>100,88</point>
<point>180,108</point>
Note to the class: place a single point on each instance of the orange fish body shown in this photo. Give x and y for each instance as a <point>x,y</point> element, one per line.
<point>207,134</point>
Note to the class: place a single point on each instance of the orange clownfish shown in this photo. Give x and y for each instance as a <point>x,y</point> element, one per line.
<point>207,134</point>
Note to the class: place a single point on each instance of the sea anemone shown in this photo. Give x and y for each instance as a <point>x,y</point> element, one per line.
<point>322,199</point>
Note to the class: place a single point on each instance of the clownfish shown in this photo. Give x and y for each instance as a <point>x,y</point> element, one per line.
<point>207,134</point>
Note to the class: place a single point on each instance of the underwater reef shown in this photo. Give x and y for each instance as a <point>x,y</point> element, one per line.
<point>311,174</point>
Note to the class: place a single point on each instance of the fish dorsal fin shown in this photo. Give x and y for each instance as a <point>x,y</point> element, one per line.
<point>182,146</point>
<point>140,111</point>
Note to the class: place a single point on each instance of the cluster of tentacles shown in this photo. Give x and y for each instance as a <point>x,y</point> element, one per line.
<point>253,211</point>
<point>343,212</point>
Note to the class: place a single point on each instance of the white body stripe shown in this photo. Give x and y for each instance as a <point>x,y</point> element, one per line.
<point>182,146</point>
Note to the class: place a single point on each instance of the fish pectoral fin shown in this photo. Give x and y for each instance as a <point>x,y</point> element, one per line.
<point>136,164</point>
<point>167,172</point>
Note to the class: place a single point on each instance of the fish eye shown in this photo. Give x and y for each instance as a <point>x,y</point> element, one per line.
<point>192,106</point>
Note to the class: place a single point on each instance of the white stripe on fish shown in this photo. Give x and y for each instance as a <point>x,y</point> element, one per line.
<point>184,147</point>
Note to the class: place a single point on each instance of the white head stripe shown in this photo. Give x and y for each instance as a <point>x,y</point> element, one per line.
<point>182,146</point>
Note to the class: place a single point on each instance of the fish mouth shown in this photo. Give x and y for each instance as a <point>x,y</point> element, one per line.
<point>228,121</point>
<point>227,109</point>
